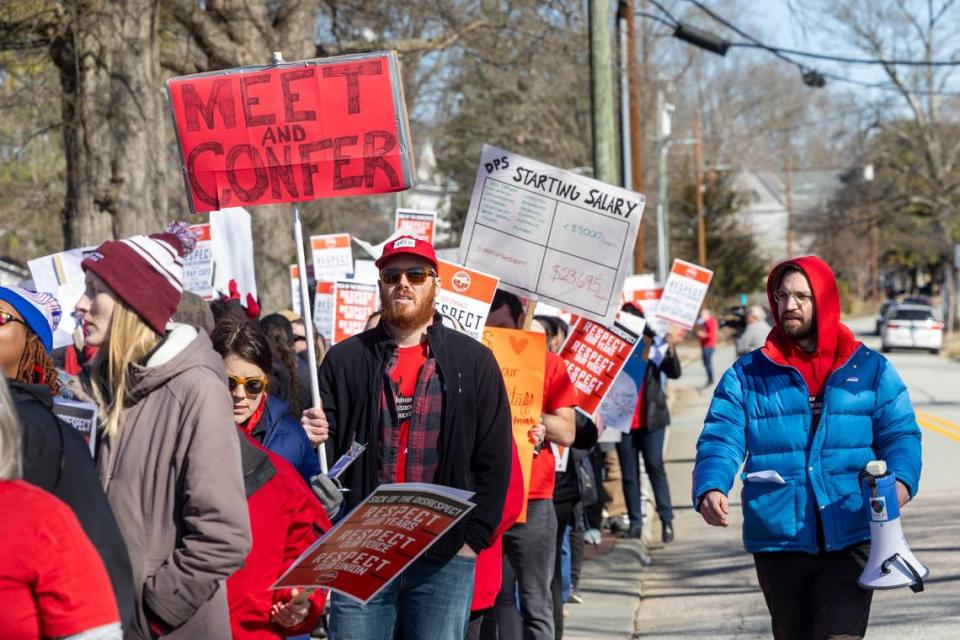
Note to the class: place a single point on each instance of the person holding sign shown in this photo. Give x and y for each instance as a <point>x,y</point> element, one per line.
<point>431,406</point>
<point>55,457</point>
<point>530,548</point>
<point>807,412</point>
<point>168,456</point>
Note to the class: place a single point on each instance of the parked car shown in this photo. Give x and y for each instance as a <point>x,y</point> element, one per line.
<point>882,313</point>
<point>912,326</point>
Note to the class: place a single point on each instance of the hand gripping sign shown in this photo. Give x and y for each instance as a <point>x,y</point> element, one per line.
<point>292,132</point>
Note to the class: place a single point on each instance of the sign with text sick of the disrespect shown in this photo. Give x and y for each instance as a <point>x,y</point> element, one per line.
<point>594,356</point>
<point>419,224</point>
<point>465,296</point>
<point>380,538</point>
<point>550,234</point>
<point>353,302</point>
<point>332,256</point>
<point>293,131</point>
<point>683,294</point>
<point>198,264</point>
<point>522,358</point>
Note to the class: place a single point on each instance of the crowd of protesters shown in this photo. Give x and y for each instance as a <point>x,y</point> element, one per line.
<point>199,494</point>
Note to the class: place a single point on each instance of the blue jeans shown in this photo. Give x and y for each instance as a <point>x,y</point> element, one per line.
<point>429,600</point>
<point>708,362</point>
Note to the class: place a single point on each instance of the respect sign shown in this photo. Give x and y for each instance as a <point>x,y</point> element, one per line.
<point>353,302</point>
<point>198,265</point>
<point>683,294</point>
<point>292,131</point>
<point>323,309</point>
<point>82,416</point>
<point>332,256</point>
<point>594,356</point>
<point>380,538</point>
<point>465,296</point>
<point>550,234</point>
<point>419,224</point>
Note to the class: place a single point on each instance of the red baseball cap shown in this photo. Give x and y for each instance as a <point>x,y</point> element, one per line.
<point>409,246</point>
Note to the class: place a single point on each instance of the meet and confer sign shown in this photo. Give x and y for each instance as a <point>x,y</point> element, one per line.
<point>292,132</point>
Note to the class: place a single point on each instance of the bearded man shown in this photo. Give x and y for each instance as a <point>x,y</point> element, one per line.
<point>430,404</point>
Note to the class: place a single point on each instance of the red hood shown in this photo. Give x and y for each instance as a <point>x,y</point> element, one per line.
<point>835,342</point>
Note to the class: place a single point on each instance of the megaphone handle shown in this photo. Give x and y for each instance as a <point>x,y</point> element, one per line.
<point>917,585</point>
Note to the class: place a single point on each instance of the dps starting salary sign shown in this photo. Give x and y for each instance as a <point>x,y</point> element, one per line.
<point>550,234</point>
<point>293,131</point>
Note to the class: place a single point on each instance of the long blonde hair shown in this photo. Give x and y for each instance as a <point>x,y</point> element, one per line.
<point>10,453</point>
<point>129,340</point>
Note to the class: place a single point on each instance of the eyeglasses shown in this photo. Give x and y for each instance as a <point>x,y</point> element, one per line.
<point>802,297</point>
<point>252,386</point>
<point>416,275</point>
<point>7,317</point>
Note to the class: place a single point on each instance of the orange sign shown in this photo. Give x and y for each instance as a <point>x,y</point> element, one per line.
<point>594,356</point>
<point>522,356</point>
<point>353,302</point>
<point>419,224</point>
<point>465,296</point>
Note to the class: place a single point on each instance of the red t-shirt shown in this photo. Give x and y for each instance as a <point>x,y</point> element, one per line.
<point>410,361</point>
<point>52,581</point>
<point>558,392</point>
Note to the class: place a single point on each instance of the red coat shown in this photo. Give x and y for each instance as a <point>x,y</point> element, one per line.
<point>285,518</point>
<point>488,571</point>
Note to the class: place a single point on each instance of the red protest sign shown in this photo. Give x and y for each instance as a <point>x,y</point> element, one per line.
<point>594,356</point>
<point>293,131</point>
<point>378,540</point>
<point>353,302</point>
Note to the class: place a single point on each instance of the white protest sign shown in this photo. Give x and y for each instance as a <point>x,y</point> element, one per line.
<point>683,294</point>
<point>323,309</point>
<point>82,416</point>
<point>332,256</point>
<point>60,275</point>
<point>231,240</point>
<point>465,295</point>
<point>198,264</point>
<point>551,234</point>
<point>419,224</point>
<point>366,271</point>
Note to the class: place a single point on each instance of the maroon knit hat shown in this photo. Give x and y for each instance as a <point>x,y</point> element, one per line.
<point>145,272</point>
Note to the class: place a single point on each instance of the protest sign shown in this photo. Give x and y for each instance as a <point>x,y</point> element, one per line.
<point>292,132</point>
<point>620,404</point>
<point>82,416</point>
<point>594,356</point>
<point>522,357</point>
<point>376,541</point>
<point>419,224</point>
<point>332,256</point>
<point>231,240</point>
<point>198,264</point>
<point>684,293</point>
<point>297,304</point>
<point>465,295</point>
<point>551,234</point>
<point>323,309</point>
<point>353,302</point>
<point>60,275</point>
<point>365,271</point>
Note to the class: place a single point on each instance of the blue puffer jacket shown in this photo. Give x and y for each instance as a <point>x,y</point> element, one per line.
<point>284,436</point>
<point>761,412</point>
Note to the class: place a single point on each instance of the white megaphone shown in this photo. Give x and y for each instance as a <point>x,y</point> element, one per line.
<point>891,564</point>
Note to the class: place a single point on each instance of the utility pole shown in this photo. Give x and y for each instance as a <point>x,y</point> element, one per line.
<point>874,258</point>
<point>698,178</point>
<point>636,125</point>
<point>626,135</point>
<point>789,207</point>
<point>601,85</point>
<point>663,144</point>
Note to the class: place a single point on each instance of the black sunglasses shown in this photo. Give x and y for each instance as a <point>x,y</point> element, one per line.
<point>415,275</point>
<point>252,386</point>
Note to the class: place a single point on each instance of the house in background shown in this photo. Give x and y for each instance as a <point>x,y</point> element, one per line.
<point>431,193</point>
<point>765,213</point>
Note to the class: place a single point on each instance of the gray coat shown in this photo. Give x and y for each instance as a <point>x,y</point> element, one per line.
<point>174,480</point>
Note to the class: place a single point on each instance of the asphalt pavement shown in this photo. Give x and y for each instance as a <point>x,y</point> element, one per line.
<point>704,583</point>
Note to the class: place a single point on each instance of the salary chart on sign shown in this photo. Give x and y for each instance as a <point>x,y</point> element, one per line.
<point>551,234</point>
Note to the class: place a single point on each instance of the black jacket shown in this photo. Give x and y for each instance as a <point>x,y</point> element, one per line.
<point>56,459</point>
<point>658,415</point>
<point>566,487</point>
<point>475,438</point>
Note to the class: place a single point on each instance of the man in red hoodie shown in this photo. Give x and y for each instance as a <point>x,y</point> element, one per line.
<point>807,412</point>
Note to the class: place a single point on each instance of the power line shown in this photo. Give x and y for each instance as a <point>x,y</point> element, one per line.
<point>853,60</point>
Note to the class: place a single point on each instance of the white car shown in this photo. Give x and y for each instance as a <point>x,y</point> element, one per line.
<point>912,326</point>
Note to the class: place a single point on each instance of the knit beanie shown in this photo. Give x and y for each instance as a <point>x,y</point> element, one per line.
<point>40,311</point>
<point>145,272</point>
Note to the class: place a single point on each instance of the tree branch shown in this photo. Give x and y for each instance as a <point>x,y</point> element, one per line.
<point>402,45</point>
<point>210,36</point>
